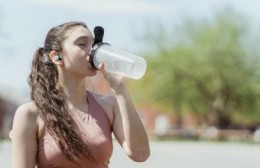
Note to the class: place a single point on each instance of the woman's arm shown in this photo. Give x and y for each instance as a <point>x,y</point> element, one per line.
<point>128,128</point>
<point>24,138</point>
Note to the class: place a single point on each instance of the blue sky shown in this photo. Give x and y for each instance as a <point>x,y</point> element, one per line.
<point>24,24</point>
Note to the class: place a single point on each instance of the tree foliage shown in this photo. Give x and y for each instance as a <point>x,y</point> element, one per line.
<point>205,67</point>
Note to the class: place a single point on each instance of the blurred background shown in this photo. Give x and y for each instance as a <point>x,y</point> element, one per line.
<point>202,84</point>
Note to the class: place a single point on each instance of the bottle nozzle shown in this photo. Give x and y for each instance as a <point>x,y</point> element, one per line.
<point>99,33</point>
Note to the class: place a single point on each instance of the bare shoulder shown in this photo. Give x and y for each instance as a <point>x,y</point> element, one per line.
<point>108,103</point>
<point>26,116</point>
<point>107,100</point>
<point>27,121</point>
<point>27,111</point>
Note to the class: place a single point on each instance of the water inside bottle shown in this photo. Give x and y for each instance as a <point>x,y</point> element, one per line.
<point>131,69</point>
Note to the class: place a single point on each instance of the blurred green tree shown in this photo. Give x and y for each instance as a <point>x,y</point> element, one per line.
<point>206,67</point>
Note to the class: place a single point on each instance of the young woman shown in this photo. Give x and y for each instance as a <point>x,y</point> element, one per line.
<point>65,125</point>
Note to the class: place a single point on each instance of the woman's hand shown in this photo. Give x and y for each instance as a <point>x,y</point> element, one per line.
<point>115,81</point>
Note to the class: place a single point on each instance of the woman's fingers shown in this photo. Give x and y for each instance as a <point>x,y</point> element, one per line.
<point>114,80</point>
<point>101,66</point>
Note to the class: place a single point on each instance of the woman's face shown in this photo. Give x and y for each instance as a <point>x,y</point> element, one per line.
<point>75,51</point>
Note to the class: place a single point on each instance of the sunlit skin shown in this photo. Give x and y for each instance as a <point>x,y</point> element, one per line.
<point>73,69</point>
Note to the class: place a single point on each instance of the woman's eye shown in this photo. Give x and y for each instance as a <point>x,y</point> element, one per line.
<point>82,44</point>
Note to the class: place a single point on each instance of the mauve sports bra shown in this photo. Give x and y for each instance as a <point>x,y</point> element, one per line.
<point>96,130</point>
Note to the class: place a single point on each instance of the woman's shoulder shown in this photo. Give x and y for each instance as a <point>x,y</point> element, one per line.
<point>107,102</point>
<point>27,112</point>
<point>25,120</point>
<point>104,99</point>
<point>28,108</point>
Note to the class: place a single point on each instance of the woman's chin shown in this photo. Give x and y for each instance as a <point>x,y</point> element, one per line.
<point>92,72</point>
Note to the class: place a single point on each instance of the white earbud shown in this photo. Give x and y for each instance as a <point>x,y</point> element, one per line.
<point>57,58</point>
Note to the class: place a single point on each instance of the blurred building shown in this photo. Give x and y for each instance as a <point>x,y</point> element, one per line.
<point>7,110</point>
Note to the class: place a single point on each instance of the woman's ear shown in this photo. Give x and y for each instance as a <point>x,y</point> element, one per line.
<point>55,58</point>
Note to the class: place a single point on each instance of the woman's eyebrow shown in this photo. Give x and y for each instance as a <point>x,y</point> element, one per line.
<point>88,38</point>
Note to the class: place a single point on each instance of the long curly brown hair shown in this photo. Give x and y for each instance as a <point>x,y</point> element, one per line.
<point>50,101</point>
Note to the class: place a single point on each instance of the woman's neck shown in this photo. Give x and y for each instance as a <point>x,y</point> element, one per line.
<point>73,87</point>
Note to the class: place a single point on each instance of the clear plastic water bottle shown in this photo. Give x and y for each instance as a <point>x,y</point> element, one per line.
<point>118,61</point>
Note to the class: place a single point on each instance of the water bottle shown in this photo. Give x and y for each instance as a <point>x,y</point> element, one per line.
<point>118,61</point>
